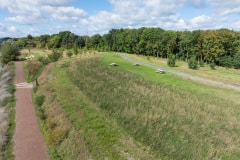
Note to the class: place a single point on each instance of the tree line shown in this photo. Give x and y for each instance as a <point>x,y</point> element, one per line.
<point>221,47</point>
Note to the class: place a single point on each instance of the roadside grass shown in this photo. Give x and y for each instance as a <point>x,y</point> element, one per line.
<point>227,75</point>
<point>175,117</point>
<point>75,127</point>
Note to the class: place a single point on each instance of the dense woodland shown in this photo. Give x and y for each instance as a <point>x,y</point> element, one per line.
<point>221,47</point>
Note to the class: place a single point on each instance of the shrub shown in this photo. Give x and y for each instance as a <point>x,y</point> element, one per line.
<point>75,50</point>
<point>55,55</point>
<point>32,67</point>
<point>236,61</point>
<point>212,65</point>
<point>171,60</point>
<point>39,99</point>
<point>44,60</point>
<point>201,63</point>
<point>69,54</point>
<point>226,61</point>
<point>10,51</point>
<point>192,63</point>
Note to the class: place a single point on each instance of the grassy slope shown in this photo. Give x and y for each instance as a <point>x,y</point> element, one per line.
<point>175,118</point>
<point>75,128</point>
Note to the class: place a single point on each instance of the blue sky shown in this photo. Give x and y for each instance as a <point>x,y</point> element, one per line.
<point>18,18</point>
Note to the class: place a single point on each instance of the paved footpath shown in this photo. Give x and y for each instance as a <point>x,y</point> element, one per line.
<point>28,141</point>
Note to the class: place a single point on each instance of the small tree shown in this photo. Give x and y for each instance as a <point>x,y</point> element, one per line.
<point>236,61</point>
<point>75,49</point>
<point>171,60</point>
<point>192,63</point>
<point>10,51</point>
<point>212,65</point>
<point>226,61</point>
<point>55,55</point>
<point>69,54</point>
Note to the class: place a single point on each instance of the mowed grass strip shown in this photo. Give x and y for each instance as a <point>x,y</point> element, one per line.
<point>227,75</point>
<point>67,114</point>
<point>164,112</point>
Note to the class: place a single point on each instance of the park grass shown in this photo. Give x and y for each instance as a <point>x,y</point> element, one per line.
<point>172,80</point>
<point>227,75</point>
<point>129,112</point>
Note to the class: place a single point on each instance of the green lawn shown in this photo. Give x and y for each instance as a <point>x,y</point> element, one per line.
<point>227,75</point>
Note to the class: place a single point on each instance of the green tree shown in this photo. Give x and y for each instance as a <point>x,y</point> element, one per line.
<point>226,61</point>
<point>55,55</point>
<point>75,49</point>
<point>69,54</point>
<point>10,51</point>
<point>171,60</point>
<point>236,61</point>
<point>192,63</point>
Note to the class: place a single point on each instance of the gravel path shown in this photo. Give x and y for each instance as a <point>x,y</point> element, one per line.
<point>185,75</point>
<point>28,141</point>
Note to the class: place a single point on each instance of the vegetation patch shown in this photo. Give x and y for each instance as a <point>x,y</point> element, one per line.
<point>76,128</point>
<point>175,121</point>
<point>7,113</point>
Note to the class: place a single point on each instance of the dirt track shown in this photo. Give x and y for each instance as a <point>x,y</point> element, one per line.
<point>28,141</point>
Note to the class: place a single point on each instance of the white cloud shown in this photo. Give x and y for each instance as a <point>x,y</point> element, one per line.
<point>67,14</point>
<point>8,31</point>
<point>226,7</point>
<point>201,21</point>
<point>52,2</point>
<point>39,11</point>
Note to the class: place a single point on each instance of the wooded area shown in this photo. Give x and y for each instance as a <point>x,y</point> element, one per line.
<point>221,47</point>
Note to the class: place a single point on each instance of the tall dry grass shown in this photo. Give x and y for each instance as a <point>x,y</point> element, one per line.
<point>6,97</point>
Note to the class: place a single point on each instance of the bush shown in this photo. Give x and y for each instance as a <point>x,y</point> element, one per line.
<point>171,60</point>
<point>192,63</point>
<point>226,61</point>
<point>69,54</point>
<point>39,99</point>
<point>32,67</point>
<point>55,55</point>
<point>212,65</point>
<point>236,61</point>
<point>44,60</point>
<point>10,51</point>
<point>201,63</point>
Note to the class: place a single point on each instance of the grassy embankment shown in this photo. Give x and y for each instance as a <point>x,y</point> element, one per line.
<point>94,110</point>
<point>7,111</point>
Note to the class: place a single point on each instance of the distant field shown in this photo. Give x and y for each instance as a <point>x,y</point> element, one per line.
<point>124,112</point>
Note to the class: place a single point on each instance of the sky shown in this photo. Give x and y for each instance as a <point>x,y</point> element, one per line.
<point>19,18</point>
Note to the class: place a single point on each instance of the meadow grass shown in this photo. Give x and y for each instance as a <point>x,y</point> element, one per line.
<point>175,117</point>
<point>76,128</point>
<point>91,110</point>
